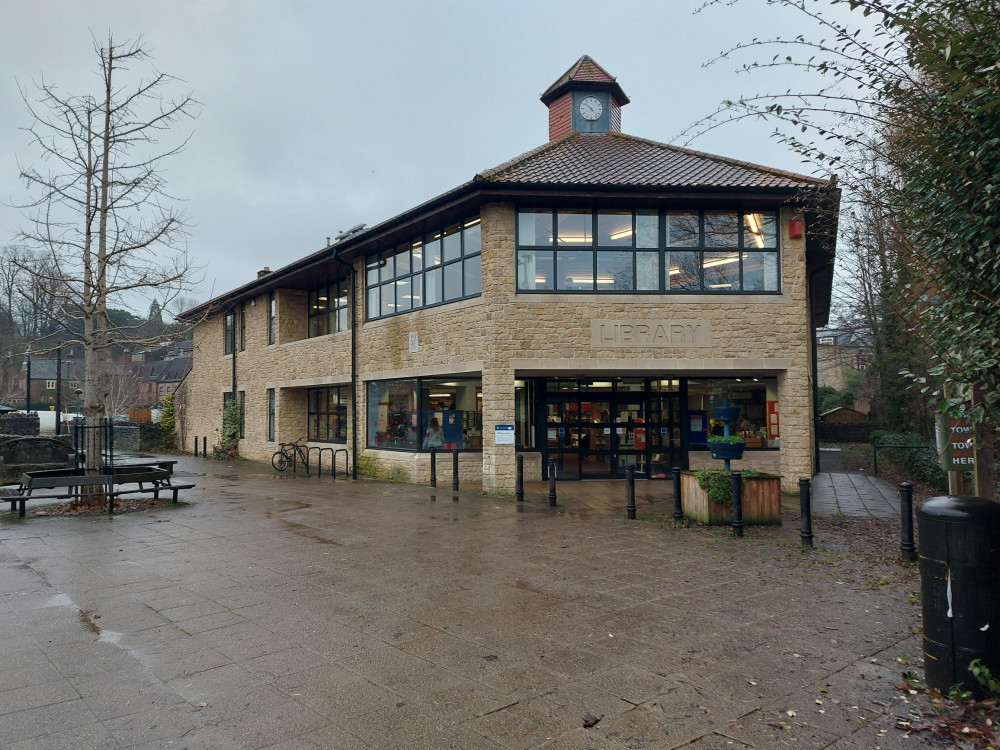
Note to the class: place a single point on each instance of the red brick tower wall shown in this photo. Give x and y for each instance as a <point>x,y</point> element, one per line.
<point>616,116</point>
<point>560,117</point>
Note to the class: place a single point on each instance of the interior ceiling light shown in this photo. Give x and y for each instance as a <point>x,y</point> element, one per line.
<point>621,234</point>
<point>721,261</point>
<point>755,229</point>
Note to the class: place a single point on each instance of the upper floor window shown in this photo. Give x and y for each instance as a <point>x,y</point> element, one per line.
<point>328,309</point>
<point>243,326</point>
<point>272,314</point>
<point>229,332</point>
<point>647,251</point>
<point>439,267</point>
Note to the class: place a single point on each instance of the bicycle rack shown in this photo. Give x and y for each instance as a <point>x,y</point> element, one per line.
<point>347,462</point>
<point>320,450</point>
<point>295,460</point>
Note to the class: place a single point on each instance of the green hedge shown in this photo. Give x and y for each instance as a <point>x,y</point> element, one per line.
<point>921,463</point>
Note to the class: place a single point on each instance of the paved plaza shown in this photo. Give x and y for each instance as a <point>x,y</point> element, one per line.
<point>293,613</point>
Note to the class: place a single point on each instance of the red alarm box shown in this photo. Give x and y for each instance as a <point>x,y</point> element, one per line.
<point>796,229</point>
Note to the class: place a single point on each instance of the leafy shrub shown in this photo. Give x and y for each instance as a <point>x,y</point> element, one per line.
<point>718,484</point>
<point>229,446</point>
<point>168,416</point>
<point>920,463</point>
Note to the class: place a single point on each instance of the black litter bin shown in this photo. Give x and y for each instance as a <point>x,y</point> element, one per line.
<point>960,582</point>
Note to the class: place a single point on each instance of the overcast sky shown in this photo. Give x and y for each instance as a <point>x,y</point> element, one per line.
<point>320,115</point>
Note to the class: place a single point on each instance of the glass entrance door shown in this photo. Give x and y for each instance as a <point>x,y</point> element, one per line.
<point>631,434</point>
<point>664,436</point>
<point>596,436</point>
<point>597,429</point>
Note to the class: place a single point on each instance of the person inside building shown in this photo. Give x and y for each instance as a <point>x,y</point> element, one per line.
<point>434,437</point>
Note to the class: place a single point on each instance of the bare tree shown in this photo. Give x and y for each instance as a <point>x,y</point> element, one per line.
<point>99,213</point>
<point>125,390</point>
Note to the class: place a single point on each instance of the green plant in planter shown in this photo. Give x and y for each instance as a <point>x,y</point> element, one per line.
<point>731,439</point>
<point>718,484</point>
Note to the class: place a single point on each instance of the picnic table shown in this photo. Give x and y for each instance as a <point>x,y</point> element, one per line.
<point>113,481</point>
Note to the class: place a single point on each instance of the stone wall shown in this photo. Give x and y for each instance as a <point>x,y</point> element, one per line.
<point>19,424</point>
<point>499,336</point>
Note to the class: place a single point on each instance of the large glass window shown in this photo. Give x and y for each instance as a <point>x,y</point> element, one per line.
<point>439,267</point>
<point>272,314</point>
<point>271,414</point>
<point>427,413</point>
<point>756,399</point>
<point>621,251</point>
<point>229,332</point>
<point>328,309</point>
<point>393,417</point>
<point>243,326</point>
<point>327,414</point>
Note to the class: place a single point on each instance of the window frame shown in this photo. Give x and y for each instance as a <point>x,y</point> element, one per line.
<point>417,388</point>
<point>229,331</point>
<point>338,410</point>
<point>271,414</point>
<point>548,255</point>
<point>383,274</point>
<point>272,314</point>
<point>243,326</point>
<point>337,301</point>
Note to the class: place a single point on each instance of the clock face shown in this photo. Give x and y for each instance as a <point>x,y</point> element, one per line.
<point>591,108</point>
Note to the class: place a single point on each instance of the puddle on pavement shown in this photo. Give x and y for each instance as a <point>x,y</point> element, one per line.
<point>87,621</point>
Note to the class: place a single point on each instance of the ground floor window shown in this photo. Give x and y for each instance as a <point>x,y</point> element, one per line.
<point>422,414</point>
<point>270,414</point>
<point>327,415</point>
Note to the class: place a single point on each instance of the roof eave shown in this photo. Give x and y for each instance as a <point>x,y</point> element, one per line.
<point>616,90</point>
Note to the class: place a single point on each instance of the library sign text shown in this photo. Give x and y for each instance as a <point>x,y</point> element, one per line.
<point>650,334</point>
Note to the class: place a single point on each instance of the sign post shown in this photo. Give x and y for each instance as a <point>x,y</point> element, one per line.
<point>959,453</point>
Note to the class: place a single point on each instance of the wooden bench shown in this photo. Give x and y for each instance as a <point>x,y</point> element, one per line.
<point>70,484</point>
<point>64,486</point>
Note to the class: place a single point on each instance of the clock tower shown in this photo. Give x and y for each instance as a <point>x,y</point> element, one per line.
<point>587,99</point>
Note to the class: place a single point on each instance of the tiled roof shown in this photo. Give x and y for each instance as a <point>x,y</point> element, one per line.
<point>616,159</point>
<point>584,69</point>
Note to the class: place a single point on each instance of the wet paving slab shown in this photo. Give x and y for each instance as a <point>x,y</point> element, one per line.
<point>277,612</point>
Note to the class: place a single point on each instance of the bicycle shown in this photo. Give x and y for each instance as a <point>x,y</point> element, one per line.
<point>290,452</point>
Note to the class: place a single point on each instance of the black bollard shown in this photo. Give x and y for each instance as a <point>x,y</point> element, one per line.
<point>434,468</point>
<point>204,447</point>
<point>805,510</point>
<point>196,447</point>
<point>906,546</point>
<point>454,472</point>
<point>630,492</point>
<point>678,507</point>
<point>519,479</point>
<point>552,482</point>
<point>737,485</point>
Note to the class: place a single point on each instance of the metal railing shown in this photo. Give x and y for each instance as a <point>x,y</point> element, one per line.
<point>886,447</point>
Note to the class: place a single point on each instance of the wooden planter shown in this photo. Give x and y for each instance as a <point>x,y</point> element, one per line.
<point>761,502</point>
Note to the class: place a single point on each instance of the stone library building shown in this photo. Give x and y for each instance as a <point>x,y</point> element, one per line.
<point>588,302</point>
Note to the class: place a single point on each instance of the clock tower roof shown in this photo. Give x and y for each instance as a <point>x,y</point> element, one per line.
<point>584,75</point>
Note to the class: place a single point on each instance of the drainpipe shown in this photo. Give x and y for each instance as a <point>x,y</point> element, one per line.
<point>235,323</point>
<point>354,360</point>
<point>58,386</point>
<point>814,362</point>
<point>27,380</point>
